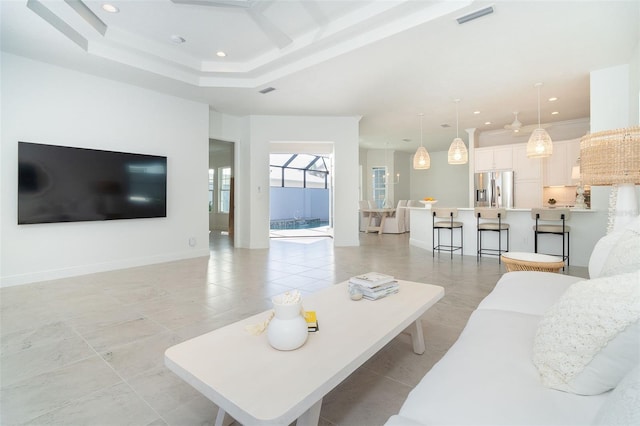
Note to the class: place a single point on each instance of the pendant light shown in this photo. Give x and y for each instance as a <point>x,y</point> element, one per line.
<point>457,151</point>
<point>421,159</point>
<point>540,144</point>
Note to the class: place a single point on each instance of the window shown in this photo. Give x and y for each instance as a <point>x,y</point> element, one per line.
<point>224,189</point>
<point>212,191</point>
<point>379,186</point>
<point>299,171</point>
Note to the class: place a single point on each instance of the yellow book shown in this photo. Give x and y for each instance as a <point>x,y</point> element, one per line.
<point>312,320</point>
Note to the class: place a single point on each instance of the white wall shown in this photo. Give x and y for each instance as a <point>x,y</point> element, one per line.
<point>51,105</point>
<point>252,174</point>
<point>403,163</point>
<point>225,127</point>
<point>610,98</point>
<point>449,184</point>
<point>396,162</point>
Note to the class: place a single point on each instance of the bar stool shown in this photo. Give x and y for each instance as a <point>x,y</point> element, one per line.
<point>542,226</point>
<point>449,214</point>
<point>483,215</point>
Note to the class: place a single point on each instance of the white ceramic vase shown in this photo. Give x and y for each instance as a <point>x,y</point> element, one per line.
<point>287,330</point>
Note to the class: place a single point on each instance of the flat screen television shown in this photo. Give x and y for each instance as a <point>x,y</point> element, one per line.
<point>66,184</point>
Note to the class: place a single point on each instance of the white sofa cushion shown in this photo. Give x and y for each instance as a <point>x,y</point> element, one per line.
<point>622,407</point>
<point>589,339</point>
<point>625,253</point>
<point>487,378</point>
<point>601,252</point>
<point>527,292</point>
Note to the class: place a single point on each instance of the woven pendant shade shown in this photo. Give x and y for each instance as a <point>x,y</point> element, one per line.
<point>611,157</point>
<point>458,152</point>
<point>539,145</point>
<point>421,159</point>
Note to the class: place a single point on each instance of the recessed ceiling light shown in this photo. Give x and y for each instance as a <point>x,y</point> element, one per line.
<point>486,123</point>
<point>177,39</point>
<point>553,99</point>
<point>221,54</point>
<point>107,7</point>
<point>476,112</point>
<point>555,113</point>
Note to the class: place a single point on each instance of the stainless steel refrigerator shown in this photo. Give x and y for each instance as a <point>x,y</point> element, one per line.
<point>494,189</point>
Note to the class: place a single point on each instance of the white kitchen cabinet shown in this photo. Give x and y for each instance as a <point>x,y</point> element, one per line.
<point>528,178</point>
<point>493,158</point>
<point>557,167</point>
<point>526,168</point>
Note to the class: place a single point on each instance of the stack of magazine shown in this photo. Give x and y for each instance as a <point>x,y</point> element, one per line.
<point>375,285</point>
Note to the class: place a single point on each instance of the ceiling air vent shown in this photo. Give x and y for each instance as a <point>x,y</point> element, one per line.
<point>445,125</point>
<point>475,15</point>
<point>267,90</point>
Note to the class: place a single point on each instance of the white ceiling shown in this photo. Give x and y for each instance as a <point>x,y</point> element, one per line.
<point>384,60</point>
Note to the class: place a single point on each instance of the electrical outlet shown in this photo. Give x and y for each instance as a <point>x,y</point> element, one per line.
<point>192,241</point>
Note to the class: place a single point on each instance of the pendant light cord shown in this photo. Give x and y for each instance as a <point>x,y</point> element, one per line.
<point>538,85</point>
<point>421,117</point>
<point>457,103</point>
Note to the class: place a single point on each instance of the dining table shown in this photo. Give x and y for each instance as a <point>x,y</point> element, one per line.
<point>383,213</point>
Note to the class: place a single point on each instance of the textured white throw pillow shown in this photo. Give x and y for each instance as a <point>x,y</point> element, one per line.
<point>601,252</point>
<point>625,254</point>
<point>590,338</point>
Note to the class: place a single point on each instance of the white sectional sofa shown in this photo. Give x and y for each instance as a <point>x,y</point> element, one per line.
<point>493,374</point>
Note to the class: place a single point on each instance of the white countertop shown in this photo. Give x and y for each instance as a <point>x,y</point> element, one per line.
<point>573,210</point>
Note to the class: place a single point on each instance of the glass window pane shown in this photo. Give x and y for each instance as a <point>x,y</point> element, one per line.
<point>294,170</point>
<point>302,161</point>
<point>315,179</point>
<point>379,187</point>
<point>211,189</point>
<point>224,181</point>
<point>293,178</point>
<point>224,202</point>
<point>279,159</point>
<point>319,164</point>
<point>275,176</point>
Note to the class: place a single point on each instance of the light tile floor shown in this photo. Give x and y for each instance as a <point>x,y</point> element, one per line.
<point>89,350</point>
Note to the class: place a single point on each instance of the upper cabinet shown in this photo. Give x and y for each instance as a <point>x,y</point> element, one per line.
<point>494,158</point>
<point>527,171</point>
<point>557,168</point>
<point>528,177</point>
<point>526,168</point>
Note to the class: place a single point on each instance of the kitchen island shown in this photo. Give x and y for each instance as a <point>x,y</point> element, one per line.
<point>587,227</point>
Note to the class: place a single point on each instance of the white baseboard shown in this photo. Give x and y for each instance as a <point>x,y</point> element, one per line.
<point>54,274</point>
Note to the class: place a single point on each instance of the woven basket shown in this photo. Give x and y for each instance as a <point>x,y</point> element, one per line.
<point>523,265</point>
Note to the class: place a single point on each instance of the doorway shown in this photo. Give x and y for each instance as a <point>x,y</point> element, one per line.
<point>221,186</point>
<point>301,191</point>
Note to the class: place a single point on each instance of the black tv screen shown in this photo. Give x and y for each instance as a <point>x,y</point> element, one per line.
<point>65,184</point>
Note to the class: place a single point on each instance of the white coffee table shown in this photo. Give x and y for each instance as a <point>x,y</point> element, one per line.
<point>257,384</point>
